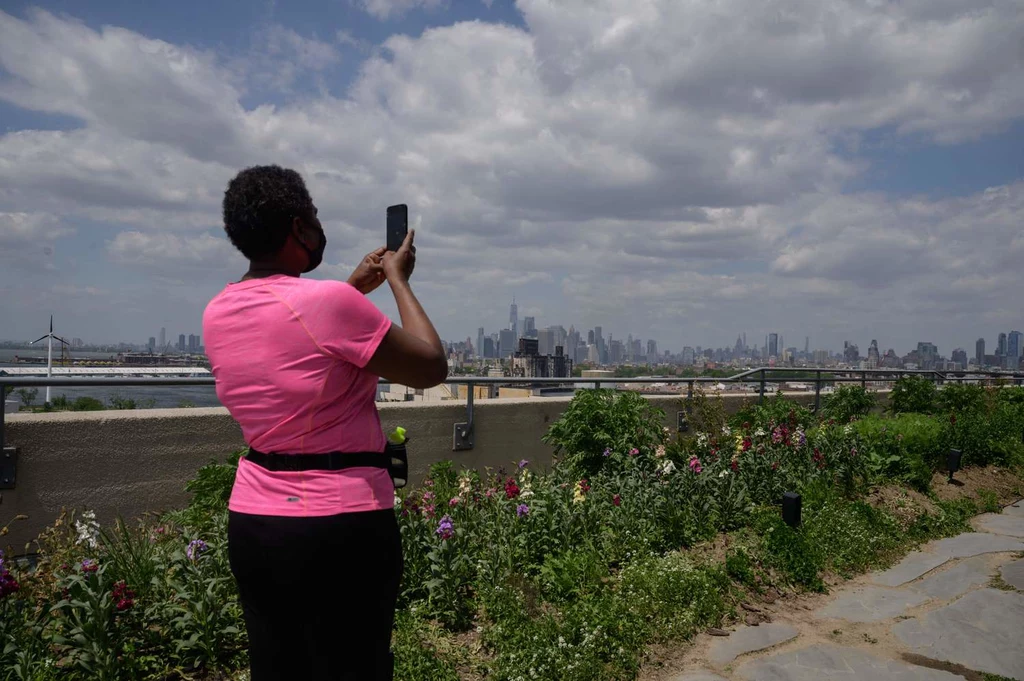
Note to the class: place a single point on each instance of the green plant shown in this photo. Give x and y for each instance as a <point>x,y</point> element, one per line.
<point>847,402</point>
<point>989,501</point>
<point>131,555</point>
<point>121,403</point>
<point>87,404</point>
<point>913,394</point>
<point>739,566</point>
<point>962,399</point>
<point>28,396</point>
<point>597,421</point>
<point>774,410</point>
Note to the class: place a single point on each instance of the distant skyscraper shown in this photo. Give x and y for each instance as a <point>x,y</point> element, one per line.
<point>1013,347</point>
<point>874,359</point>
<point>979,352</point>
<point>513,320</point>
<point>530,328</point>
<point>152,344</point>
<point>927,355</point>
<point>480,342</point>
<point>807,344</point>
<point>545,342</point>
<point>590,337</point>
<point>163,338</point>
<point>960,357</point>
<point>506,343</point>
<point>652,352</point>
<point>773,345</point>
<point>1001,347</point>
<point>181,342</point>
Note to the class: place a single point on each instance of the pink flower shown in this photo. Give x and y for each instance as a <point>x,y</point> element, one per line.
<point>634,451</point>
<point>617,500</point>
<point>695,465</point>
<point>454,501</point>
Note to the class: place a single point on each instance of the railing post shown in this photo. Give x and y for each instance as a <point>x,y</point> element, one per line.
<point>760,399</point>
<point>3,417</point>
<point>864,380</point>
<point>462,437</point>
<point>817,394</point>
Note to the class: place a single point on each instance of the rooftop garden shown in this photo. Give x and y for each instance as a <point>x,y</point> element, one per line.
<point>634,538</point>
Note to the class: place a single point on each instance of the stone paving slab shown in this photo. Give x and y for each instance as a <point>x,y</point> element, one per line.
<point>821,662</point>
<point>1013,574</point>
<point>870,604</point>
<point>1016,509</point>
<point>996,523</point>
<point>749,639</point>
<point>915,564</point>
<point>955,581</point>
<point>973,544</point>
<point>980,631</point>
<point>699,675</point>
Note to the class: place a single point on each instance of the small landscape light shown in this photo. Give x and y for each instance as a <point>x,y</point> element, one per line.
<point>953,462</point>
<point>791,509</point>
<point>682,425</point>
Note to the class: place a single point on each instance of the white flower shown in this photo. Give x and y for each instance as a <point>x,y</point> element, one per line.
<point>88,531</point>
<point>660,451</point>
<point>667,467</point>
<point>847,429</point>
<point>725,472</point>
<point>465,485</point>
<point>726,430</point>
<point>702,439</point>
<point>759,432</point>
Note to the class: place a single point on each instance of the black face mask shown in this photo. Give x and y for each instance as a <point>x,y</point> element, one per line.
<point>316,256</point>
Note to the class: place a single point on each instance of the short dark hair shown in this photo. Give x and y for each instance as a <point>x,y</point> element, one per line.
<point>259,207</point>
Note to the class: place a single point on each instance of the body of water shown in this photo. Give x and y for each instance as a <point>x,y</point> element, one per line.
<point>156,396</point>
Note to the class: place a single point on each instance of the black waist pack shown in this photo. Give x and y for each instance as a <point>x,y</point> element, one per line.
<point>394,458</point>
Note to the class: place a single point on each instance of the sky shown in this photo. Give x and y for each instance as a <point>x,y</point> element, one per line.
<point>672,169</point>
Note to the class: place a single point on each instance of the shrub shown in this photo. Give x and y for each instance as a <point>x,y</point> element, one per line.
<point>904,448</point>
<point>913,394</point>
<point>774,410</point>
<point>597,421</point>
<point>847,402</point>
<point>962,399</point>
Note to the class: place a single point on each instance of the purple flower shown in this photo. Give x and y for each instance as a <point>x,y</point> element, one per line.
<point>607,452</point>
<point>522,509</point>
<point>524,463</point>
<point>445,528</point>
<point>195,548</point>
<point>8,584</point>
<point>90,565</point>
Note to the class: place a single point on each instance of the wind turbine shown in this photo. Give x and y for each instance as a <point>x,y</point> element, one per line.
<point>49,338</point>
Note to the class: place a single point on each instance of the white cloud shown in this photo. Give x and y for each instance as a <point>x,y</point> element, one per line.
<point>388,9</point>
<point>641,165</point>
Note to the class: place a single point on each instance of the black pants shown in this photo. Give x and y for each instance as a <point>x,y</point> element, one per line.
<point>318,594</point>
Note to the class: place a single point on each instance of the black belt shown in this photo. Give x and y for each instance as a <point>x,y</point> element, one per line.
<point>394,458</point>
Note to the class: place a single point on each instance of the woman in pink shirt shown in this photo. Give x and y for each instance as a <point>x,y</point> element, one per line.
<point>312,536</point>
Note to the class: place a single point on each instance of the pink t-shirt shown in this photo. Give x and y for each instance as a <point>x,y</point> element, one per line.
<point>289,356</point>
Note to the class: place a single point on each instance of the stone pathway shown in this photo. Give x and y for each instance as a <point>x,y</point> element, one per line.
<point>944,613</point>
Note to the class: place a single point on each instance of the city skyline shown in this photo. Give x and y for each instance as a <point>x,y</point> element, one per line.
<point>1005,342</point>
<point>652,168</point>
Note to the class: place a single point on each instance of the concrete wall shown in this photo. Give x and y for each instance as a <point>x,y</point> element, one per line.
<point>131,462</point>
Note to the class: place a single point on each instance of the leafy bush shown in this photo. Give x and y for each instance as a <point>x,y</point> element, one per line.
<point>597,421</point>
<point>847,402</point>
<point>962,399</point>
<point>774,410</point>
<point>903,448</point>
<point>913,394</point>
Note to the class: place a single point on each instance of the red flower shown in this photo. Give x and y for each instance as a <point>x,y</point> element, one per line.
<point>746,425</point>
<point>617,500</point>
<point>124,596</point>
<point>747,444</point>
<point>775,465</point>
<point>584,486</point>
<point>511,489</point>
<point>734,464</point>
<point>952,419</point>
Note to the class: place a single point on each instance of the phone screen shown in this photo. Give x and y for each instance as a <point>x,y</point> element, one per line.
<point>398,226</point>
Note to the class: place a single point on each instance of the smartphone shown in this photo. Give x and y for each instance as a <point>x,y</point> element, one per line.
<point>398,225</point>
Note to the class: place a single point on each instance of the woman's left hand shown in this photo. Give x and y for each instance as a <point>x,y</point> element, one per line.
<point>370,273</point>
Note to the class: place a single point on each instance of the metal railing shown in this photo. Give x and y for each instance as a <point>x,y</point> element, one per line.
<point>462,436</point>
